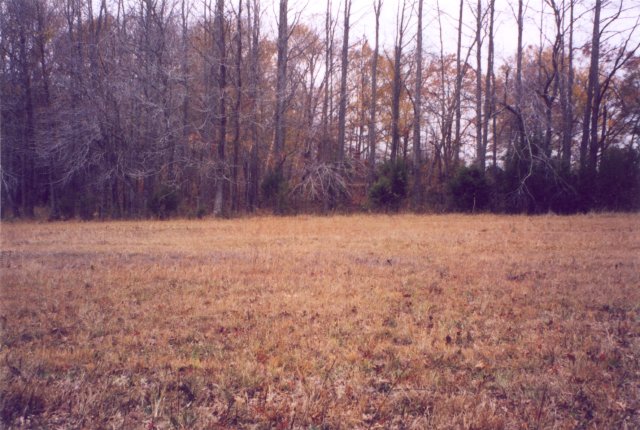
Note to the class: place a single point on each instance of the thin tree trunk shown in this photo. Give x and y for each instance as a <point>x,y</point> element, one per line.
<point>585,168</point>
<point>518,101</point>
<point>567,119</point>
<point>218,204</point>
<point>281,77</point>
<point>185,83</point>
<point>494,131</point>
<point>26,173</point>
<point>41,42</point>
<point>235,198</point>
<point>254,76</point>
<point>328,70</point>
<point>417,116</point>
<point>489,90</point>
<point>397,85</point>
<point>458,88</point>
<point>343,83</point>
<point>374,96</point>
<point>445,126</point>
<point>480,151</point>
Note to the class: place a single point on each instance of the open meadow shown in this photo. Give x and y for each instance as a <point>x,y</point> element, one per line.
<point>367,321</point>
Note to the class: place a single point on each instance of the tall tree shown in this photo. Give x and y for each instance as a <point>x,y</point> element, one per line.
<point>221,112</point>
<point>343,82</point>
<point>252,179</point>
<point>587,171</point>
<point>235,197</point>
<point>401,28</point>
<point>417,115</point>
<point>519,94</point>
<point>520,24</point>
<point>489,91</point>
<point>281,85</point>
<point>377,6</point>
<point>458,87</point>
<point>329,30</point>
<point>184,66</point>
<point>480,149</point>
<point>567,95</point>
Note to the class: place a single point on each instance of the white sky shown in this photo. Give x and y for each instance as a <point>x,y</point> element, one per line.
<point>363,21</point>
<point>312,13</point>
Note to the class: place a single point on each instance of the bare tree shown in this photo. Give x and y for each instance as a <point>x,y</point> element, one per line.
<point>252,179</point>
<point>586,170</point>
<point>235,197</point>
<point>401,28</point>
<point>417,115</point>
<point>567,93</point>
<point>343,82</point>
<point>329,32</point>
<point>480,149</point>
<point>281,84</point>
<point>221,112</point>
<point>458,87</point>
<point>489,91</point>
<point>377,6</point>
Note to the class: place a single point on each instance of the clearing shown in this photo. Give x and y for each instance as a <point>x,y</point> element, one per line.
<point>367,321</point>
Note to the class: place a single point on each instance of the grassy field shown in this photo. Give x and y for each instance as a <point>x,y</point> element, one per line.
<point>474,322</point>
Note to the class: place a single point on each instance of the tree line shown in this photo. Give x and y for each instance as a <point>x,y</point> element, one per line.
<point>137,108</point>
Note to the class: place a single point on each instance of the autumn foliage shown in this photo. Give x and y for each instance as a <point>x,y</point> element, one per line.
<point>158,108</point>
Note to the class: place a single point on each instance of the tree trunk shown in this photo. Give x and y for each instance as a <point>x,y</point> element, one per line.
<point>328,70</point>
<point>281,81</point>
<point>343,83</point>
<point>587,169</point>
<point>489,90</point>
<point>235,198</point>
<point>397,84</point>
<point>518,102</point>
<point>254,77</point>
<point>567,117</point>
<point>480,151</point>
<point>27,151</point>
<point>221,59</point>
<point>458,88</point>
<point>185,83</point>
<point>417,116</point>
<point>374,97</point>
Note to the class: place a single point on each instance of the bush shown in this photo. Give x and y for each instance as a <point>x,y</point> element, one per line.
<point>538,187</point>
<point>565,198</point>
<point>619,180</point>
<point>87,206</point>
<point>275,190</point>
<point>390,187</point>
<point>67,204</point>
<point>164,201</point>
<point>469,190</point>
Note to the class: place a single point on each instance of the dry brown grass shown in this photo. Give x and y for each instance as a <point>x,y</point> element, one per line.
<point>338,322</point>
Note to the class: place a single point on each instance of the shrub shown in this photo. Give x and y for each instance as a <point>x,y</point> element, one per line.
<point>67,204</point>
<point>619,180</point>
<point>469,190</point>
<point>390,187</point>
<point>164,201</point>
<point>275,190</point>
<point>87,205</point>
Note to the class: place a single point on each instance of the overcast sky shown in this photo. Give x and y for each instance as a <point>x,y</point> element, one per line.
<point>363,21</point>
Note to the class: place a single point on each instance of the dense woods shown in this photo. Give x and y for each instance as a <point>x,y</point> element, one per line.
<point>139,108</point>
